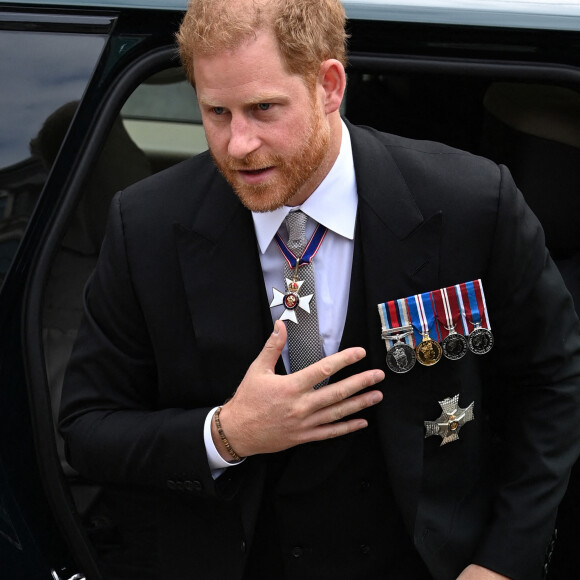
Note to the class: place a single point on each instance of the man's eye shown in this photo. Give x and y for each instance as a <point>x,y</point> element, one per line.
<point>264,106</point>
<point>218,110</point>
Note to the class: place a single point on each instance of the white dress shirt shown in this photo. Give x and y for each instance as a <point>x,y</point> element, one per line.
<point>334,205</point>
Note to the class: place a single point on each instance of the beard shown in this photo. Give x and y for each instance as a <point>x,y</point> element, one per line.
<point>291,174</point>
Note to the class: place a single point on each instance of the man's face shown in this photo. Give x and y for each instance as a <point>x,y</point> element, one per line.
<point>266,131</point>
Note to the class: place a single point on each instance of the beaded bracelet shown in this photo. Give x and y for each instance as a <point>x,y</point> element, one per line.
<point>224,439</point>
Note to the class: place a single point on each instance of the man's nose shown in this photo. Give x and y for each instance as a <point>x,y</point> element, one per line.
<point>243,138</point>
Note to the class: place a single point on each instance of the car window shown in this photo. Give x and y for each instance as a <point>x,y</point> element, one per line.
<point>43,76</point>
<point>163,119</point>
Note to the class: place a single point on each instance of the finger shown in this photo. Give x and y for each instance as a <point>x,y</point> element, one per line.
<point>339,411</point>
<point>326,367</point>
<point>338,392</point>
<point>333,430</point>
<point>268,357</point>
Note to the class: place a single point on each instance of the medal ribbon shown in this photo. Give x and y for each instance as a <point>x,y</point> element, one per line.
<point>309,252</point>
<point>423,317</point>
<point>395,315</point>
<point>448,312</point>
<point>478,287</point>
<point>428,305</point>
<point>472,304</point>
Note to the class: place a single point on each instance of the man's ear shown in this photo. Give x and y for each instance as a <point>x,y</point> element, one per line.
<point>332,79</point>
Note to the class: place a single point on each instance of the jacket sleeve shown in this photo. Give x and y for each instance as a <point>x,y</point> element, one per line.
<point>534,397</point>
<point>115,428</point>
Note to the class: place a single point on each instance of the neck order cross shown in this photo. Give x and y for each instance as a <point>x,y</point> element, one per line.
<point>300,314</point>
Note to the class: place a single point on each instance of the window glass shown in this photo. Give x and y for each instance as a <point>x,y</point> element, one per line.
<point>43,76</point>
<point>163,118</point>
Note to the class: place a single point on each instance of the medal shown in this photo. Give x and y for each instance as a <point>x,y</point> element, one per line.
<point>452,418</point>
<point>425,327</point>
<point>401,358</point>
<point>454,345</point>
<point>429,351</point>
<point>448,313</point>
<point>398,335</point>
<point>474,310</point>
<point>427,338</point>
<point>480,341</point>
<point>291,299</point>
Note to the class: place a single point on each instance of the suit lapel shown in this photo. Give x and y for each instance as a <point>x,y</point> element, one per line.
<point>396,248</point>
<point>396,254</point>
<point>400,257</point>
<point>223,279</point>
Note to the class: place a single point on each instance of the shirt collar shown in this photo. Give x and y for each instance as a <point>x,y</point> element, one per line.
<point>333,204</point>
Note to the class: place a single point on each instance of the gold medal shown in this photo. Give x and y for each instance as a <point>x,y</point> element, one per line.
<point>428,351</point>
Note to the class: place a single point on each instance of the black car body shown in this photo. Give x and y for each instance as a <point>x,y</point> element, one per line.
<point>94,98</point>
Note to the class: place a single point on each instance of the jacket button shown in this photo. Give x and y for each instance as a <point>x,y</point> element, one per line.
<point>297,552</point>
<point>171,484</point>
<point>365,549</point>
<point>188,485</point>
<point>196,485</point>
<point>243,546</point>
<point>365,485</point>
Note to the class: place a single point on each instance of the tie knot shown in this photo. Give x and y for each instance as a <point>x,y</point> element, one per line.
<point>296,225</point>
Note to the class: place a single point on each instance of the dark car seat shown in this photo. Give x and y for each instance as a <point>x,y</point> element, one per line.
<point>535,131</point>
<point>120,163</point>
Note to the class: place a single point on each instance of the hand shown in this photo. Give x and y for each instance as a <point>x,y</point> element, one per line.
<point>270,412</point>
<point>475,572</point>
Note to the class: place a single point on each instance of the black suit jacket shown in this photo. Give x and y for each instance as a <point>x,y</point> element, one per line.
<point>177,310</point>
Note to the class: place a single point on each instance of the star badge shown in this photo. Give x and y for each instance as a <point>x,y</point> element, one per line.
<point>451,420</point>
<point>291,300</point>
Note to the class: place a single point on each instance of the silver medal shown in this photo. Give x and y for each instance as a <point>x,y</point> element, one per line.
<point>452,419</point>
<point>480,341</point>
<point>454,346</point>
<point>401,358</point>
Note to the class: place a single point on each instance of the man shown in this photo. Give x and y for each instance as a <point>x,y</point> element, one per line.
<point>249,472</point>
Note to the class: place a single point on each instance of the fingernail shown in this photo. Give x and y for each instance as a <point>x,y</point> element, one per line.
<point>276,331</point>
<point>376,398</point>
<point>378,376</point>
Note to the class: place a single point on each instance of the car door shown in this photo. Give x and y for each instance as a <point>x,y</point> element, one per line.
<point>48,59</point>
<point>65,79</point>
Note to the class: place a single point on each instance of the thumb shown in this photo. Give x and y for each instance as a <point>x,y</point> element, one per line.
<point>272,350</point>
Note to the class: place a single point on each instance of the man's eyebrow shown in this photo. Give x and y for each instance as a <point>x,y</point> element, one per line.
<point>205,102</point>
<point>256,99</point>
<point>267,97</point>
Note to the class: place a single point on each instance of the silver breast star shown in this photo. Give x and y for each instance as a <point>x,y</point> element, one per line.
<point>450,421</point>
<point>291,300</point>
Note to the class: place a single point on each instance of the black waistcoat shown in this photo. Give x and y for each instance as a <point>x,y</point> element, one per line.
<point>346,527</point>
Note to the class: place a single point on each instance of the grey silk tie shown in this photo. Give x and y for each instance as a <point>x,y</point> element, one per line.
<point>304,342</point>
